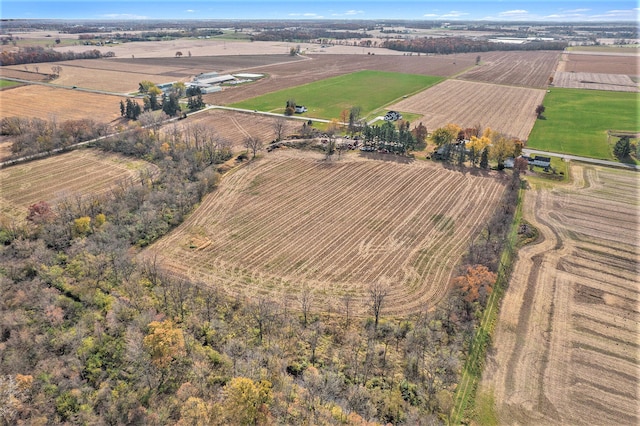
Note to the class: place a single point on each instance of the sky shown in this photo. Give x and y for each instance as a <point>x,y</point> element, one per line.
<point>442,10</point>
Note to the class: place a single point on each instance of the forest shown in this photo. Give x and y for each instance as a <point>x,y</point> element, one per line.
<point>37,54</point>
<point>448,45</point>
<point>90,334</point>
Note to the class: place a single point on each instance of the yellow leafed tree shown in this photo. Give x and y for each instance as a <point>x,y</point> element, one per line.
<point>247,402</point>
<point>165,343</point>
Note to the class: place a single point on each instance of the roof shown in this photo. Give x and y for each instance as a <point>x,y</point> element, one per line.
<point>218,79</point>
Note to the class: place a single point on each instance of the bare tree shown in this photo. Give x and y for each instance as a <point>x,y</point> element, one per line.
<point>378,291</point>
<point>153,119</point>
<point>253,143</point>
<point>306,300</point>
<point>262,312</point>
<point>278,128</point>
<point>347,300</point>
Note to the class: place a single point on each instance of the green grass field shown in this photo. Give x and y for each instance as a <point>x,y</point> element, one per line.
<point>7,83</point>
<point>370,90</point>
<point>577,121</point>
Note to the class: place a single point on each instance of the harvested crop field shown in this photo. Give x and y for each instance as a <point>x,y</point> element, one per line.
<point>324,66</point>
<point>294,222</point>
<point>508,109</point>
<point>235,127</point>
<point>80,172</point>
<point>528,69</point>
<point>38,101</point>
<point>595,81</point>
<point>566,346</point>
<point>600,63</point>
<point>23,75</point>
<point>122,75</point>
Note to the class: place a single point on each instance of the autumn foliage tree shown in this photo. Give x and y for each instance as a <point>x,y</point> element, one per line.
<point>164,343</point>
<point>247,402</point>
<point>476,284</point>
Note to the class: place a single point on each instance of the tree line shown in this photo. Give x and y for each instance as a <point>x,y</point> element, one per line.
<point>448,45</point>
<point>34,135</point>
<point>37,54</point>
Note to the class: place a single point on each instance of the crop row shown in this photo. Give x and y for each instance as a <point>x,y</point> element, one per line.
<point>336,227</point>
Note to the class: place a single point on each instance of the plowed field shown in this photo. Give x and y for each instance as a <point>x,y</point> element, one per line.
<point>595,81</point>
<point>510,110</point>
<point>80,172</point>
<point>122,75</point>
<point>566,347</point>
<point>528,69</point>
<point>293,220</point>
<point>236,126</point>
<point>599,63</point>
<point>48,103</point>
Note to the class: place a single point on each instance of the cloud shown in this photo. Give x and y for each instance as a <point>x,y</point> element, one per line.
<point>124,16</point>
<point>450,15</point>
<point>349,13</point>
<point>190,11</point>
<point>628,14</point>
<point>576,10</point>
<point>518,12</point>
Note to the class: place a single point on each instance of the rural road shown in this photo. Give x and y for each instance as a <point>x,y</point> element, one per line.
<point>528,151</point>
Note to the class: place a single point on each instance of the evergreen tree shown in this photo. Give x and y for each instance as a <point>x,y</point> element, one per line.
<point>122,109</point>
<point>622,148</point>
<point>170,104</point>
<point>484,159</point>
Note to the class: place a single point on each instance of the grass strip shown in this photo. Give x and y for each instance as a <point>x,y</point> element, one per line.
<point>464,400</point>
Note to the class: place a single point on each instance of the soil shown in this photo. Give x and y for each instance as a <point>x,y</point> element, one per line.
<point>508,109</point>
<point>528,69</point>
<point>566,346</point>
<point>77,173</point>
<point>599,63</point>
<point>47,103</point>
<point>595,81</point>
<point>294,220</point>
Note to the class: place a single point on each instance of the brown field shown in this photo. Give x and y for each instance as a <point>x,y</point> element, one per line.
<point>508,109</point>
<point>528,69</point>
<point>221,47</point>
<point>80,172</point>
<point>566,346</point>
<point>601,63</point>
<point>324,66</point>
<point>292,221</point>
<point>595,81</point>
<point>22,74</point>
<point>236,126</point>
<point>37,101</point>
<point>123,75</point>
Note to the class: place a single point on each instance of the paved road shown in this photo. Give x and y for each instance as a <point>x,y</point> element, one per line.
<point>607,163</point>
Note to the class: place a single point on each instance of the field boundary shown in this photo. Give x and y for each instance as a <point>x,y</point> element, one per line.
<point>464,398</point>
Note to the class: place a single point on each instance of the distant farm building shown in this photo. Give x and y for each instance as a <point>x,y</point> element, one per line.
<point>211,82</point>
